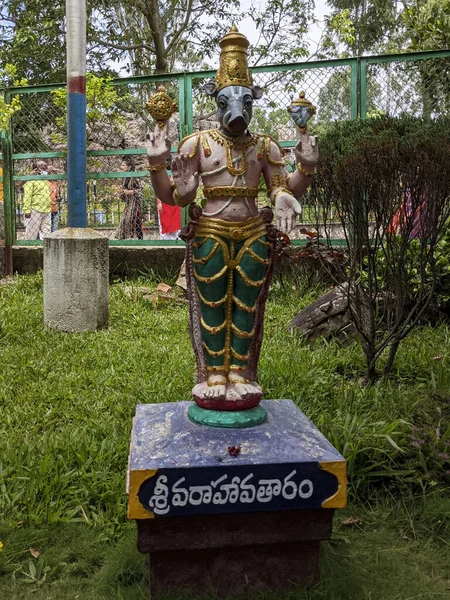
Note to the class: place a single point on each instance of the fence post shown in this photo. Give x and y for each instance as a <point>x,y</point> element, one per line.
<point>363,88</point>
<point>355,89</point>
<point>8,195</point>
<point>186,124</point>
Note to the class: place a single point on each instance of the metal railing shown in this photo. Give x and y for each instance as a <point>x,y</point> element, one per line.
<point>415,83</point>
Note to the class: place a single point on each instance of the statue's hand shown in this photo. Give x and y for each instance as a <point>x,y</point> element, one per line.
<point>307,152</point>
<point>286,209</point>
<point>158,145</point>
<point>184,177</point>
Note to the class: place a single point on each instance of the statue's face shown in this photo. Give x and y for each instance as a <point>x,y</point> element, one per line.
<point>300,115</point>
<point>234,109</point>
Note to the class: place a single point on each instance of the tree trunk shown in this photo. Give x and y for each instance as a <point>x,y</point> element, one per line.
<point>151,11</point>
<point>390,360</point>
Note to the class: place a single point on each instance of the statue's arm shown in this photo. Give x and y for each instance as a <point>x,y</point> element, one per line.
<point>158,149</point>
<point>276,176</point>
<point>185,170</point>
<point>307,154</point>
<point>278,190</point>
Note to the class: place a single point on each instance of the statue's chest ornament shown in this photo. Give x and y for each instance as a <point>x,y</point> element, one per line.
<point>240,145</point>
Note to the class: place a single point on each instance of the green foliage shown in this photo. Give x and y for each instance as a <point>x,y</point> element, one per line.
<point>434,280</point>
<point>428,24</point>
<point>68,401</point>
<point>269,121</point>
<point>340,25</point>
<point>356,27</point>
<point>34,39</point>
<point>9,78</point>
<point>282,27</point>
<point>102,108</point>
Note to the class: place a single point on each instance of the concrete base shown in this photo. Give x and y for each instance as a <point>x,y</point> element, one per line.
<point>124,261</point>
<point>76,280</point>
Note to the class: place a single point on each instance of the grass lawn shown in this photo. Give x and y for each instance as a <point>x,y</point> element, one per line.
<point>66,405</point>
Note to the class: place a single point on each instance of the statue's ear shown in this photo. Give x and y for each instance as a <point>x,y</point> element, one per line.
<point>257,92</point>
<point>210,88</point>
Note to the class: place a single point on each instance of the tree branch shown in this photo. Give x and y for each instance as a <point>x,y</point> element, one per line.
<point>123,47</point>
<point>185,23</point>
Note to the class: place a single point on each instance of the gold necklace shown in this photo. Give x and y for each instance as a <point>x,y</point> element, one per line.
<point>242,143</point>
<point>239,144</point>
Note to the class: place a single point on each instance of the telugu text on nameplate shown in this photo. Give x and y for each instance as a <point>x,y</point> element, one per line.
<point>208,490</point>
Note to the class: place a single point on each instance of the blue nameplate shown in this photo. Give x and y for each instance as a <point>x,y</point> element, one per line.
<point>180,492</point>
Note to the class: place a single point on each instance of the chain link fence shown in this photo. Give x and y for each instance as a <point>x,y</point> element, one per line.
<point>120,200</point>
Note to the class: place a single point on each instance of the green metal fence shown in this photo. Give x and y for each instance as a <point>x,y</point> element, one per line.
<point>416,83</point>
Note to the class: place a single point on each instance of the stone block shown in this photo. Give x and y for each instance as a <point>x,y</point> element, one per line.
<point>76,280</point>
<point>231,511</point>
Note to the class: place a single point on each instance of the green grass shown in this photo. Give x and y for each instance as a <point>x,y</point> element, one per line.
<point>67,402</point>
<point>397,551</point>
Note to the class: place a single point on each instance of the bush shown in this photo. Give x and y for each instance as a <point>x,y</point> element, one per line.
<point>388,180</point>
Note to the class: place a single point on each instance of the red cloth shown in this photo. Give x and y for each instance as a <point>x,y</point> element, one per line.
<point>170,218</point>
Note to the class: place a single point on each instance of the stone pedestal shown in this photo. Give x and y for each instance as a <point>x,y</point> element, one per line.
<point>224,511</point>
<point>76,280</point>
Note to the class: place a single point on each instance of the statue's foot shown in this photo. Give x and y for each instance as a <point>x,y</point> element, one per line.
<point>216,387</point>
<point>208,393</point>
<point>243,387</point>
<point>234,393</point>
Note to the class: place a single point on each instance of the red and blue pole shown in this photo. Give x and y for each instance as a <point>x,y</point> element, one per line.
<point>76,112</point>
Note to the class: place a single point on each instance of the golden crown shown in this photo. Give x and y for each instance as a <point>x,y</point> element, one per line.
<point>233,69</point>
<point>302,101</point>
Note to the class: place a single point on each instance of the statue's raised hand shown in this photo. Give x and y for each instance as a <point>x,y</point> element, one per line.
<point>286,209</point>
<point>307,152</point>
<point>184,176</point>
<point>158,145</point>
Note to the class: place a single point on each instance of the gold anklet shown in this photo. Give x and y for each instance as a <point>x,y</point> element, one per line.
<point>222,381</point>
<point>231,380</point>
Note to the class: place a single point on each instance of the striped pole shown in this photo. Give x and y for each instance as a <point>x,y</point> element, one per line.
<point>76,112</point>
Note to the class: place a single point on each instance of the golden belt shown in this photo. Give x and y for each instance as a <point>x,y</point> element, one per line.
<point>228,190</point>
<point>231,230</point>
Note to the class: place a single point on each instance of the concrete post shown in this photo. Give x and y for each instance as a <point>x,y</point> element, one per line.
<point>76,280</point>
<point>76,259</point>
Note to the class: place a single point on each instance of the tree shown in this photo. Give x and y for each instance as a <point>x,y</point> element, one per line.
<point>150,35</point>
<point>427,24</point>
<point>356,27</point>
<point>33,36</point>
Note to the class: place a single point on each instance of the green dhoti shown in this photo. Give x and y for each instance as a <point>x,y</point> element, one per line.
<point>230,263</point>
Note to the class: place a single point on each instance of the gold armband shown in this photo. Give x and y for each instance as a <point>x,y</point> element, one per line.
<point>157,168</point>
<point>278,191</point>
<point>303,171</point>
<point>176,197</point>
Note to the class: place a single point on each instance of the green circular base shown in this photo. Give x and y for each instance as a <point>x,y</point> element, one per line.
<point>227,418</point>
